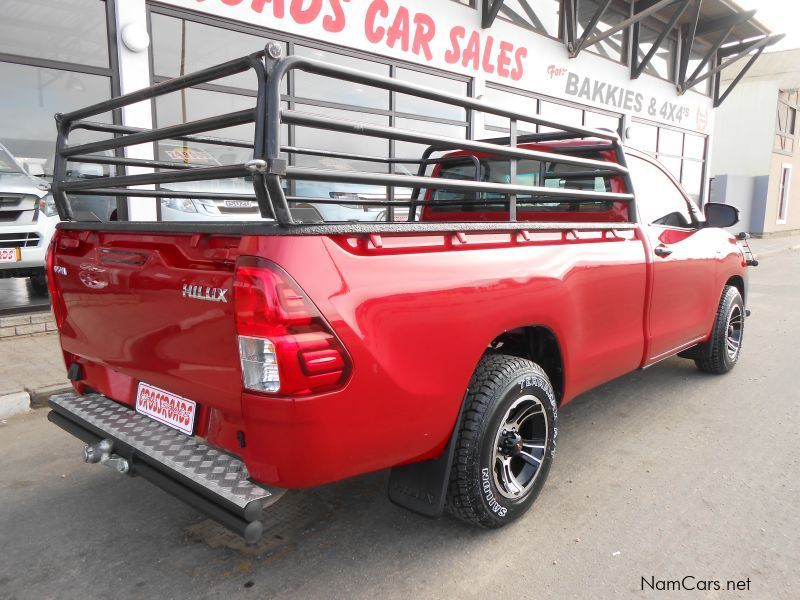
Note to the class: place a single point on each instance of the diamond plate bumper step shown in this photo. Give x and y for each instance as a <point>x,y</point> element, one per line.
<point>207,478</point>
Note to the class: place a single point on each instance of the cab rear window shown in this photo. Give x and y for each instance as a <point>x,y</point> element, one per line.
<point>529,173</point>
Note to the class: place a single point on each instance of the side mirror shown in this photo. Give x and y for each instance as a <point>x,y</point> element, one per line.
<point>720,215</point>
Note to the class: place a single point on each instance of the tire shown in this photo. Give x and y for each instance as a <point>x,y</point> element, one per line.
<point>39,285</point>
<point>721,352</point>
<point>489,464</point>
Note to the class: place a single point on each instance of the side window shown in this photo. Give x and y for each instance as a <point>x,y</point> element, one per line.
<point>659,199</point>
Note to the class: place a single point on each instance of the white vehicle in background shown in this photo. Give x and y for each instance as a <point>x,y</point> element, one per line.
<point>28,220</point>
<point>199,209</point>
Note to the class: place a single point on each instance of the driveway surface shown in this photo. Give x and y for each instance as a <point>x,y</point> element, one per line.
<point>662,474</point>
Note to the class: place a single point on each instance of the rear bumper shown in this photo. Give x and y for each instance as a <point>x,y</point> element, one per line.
<point>207,478</point>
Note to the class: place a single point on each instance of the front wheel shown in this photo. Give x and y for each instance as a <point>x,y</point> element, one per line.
<point>506,442</point>
<point>719,354</point>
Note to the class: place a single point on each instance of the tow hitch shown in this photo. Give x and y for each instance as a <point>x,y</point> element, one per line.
<point>103,452</point>
<point>208,479</point>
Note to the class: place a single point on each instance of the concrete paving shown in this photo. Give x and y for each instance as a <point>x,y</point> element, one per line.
<point>773,245</point>
<point>30,365</point>
<point>664,473</point>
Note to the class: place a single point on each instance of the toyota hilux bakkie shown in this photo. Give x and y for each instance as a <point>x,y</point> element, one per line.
<point>227,362</point>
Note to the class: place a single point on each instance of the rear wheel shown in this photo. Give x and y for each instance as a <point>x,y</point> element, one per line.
<point>506,442</point>
<point>39,285</point>
<point>721,352</point>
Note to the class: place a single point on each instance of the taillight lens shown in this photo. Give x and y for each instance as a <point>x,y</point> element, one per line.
<point>285,345</point>
<point>55,298</point>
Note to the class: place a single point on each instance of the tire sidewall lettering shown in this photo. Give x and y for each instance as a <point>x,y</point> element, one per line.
<point>528,384</point>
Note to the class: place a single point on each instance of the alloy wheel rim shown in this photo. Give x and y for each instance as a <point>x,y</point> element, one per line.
<point>519,447</point>
<point>733,332</point>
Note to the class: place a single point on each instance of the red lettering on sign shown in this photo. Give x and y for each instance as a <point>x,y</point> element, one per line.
<point>398,30</point>
<point>304,15</point>
<point>504,59</point>
<point>472,53</point>
<point>519,69</point>
<point>335,23</point>
<point>423,35</point>
<point>487,65</point>
<point>454,53</point>
<point>375,32</point>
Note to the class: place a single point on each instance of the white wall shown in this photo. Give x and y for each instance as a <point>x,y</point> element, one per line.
<point>530,61</point>
<point>744,130</point>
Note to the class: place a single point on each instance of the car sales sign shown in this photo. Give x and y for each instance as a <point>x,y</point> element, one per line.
<point>448,36</point>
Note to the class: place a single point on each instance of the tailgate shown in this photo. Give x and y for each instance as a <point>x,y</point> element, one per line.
<point>154,308</point>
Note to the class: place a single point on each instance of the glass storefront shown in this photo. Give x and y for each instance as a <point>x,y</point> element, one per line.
<point>178,40</point>
<point>65,65</point>
<point>681,152</point>
<point>54,57</point>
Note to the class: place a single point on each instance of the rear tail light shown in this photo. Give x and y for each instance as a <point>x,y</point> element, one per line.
<point>285,345</point>
<point>55,298</point>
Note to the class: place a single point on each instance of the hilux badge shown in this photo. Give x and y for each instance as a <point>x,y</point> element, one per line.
<point>201,292</point>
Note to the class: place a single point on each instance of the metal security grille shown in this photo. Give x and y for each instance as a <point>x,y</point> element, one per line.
<point>271,176</point>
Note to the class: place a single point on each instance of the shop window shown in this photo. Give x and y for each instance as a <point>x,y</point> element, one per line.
<point>644,137</point>
<point>541,16</point>
<point>597,120</point>
<point>612,47</point>
<point>318,87</point>
<point>694,146</point>
<point>320,139</point>
<point>670,142</point>
<point>692,178</point>
<point>783,194</point>
<point>197,45</point>
<point>30,98</point>
<point>534,106</point>
<point>419,106</point>
<point>682,154</point>
<point>786,123</point>
<point>510,101</point>
<point>193,104</point>
<point>553,111</point>
<point>412,150</point>
<point>182,46</point>
<point>71,31</point>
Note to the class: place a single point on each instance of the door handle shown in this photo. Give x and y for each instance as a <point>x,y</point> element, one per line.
<point>662,251</point>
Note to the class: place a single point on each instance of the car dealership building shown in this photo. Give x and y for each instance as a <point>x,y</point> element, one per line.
<point>648,69</point>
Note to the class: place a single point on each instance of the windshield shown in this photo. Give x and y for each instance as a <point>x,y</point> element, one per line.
<point>7,163</point>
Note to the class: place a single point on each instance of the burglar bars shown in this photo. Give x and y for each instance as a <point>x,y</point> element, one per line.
<point>270,173</point>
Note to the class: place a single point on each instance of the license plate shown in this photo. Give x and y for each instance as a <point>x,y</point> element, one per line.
<point>166,408</point>
<point>238,204</point>
<point>9,255</point>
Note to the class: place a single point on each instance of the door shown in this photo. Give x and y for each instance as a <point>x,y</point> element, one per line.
<point>683,295</point>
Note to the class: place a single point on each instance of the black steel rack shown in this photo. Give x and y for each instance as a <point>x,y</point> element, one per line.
<point>269,171</point>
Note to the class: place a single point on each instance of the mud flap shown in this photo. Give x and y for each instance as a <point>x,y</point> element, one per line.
<point>421,487</point>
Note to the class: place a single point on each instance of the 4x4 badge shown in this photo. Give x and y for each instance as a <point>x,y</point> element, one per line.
<point>200,292</point>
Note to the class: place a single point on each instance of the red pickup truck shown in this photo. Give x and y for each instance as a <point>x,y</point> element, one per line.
<point>227,362</point>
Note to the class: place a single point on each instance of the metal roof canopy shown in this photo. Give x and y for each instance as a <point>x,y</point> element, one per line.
<point>725,32</point>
